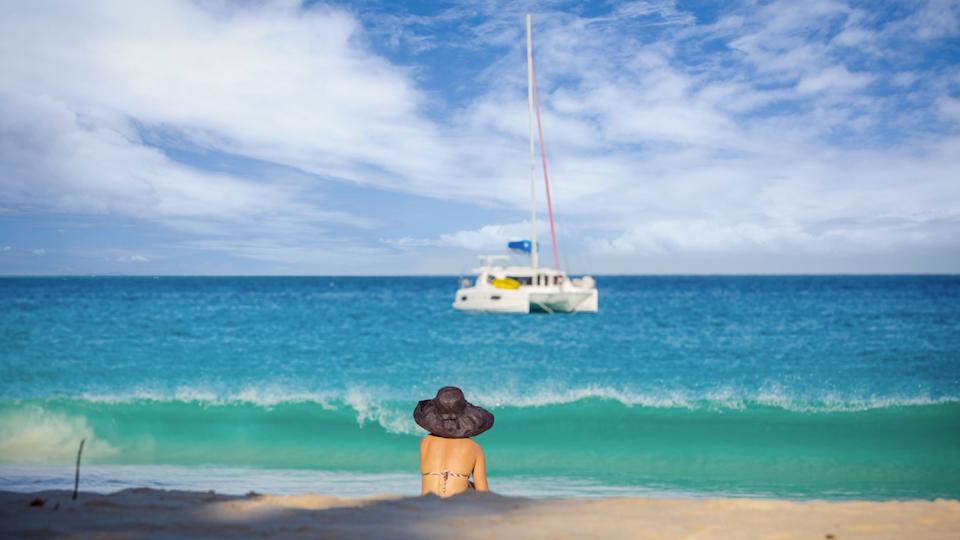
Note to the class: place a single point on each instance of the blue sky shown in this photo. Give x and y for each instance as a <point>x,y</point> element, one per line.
<point>216,137</point>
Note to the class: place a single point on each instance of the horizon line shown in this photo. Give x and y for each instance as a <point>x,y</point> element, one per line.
<point>665,274</point>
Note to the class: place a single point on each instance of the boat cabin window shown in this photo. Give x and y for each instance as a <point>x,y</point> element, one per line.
<point>523,280</point>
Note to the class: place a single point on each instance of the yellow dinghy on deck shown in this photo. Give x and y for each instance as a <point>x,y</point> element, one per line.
<point>505,283</point>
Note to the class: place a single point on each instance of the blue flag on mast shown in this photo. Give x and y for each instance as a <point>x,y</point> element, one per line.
<point>522,246</point>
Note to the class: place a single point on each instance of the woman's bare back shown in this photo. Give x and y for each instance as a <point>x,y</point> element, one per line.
<point>446,465</point>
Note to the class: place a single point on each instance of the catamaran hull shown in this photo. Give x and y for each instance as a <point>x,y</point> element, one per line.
<point>495,300</point>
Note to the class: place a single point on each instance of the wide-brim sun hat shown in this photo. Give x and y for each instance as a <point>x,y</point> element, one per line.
<point>451,416</point>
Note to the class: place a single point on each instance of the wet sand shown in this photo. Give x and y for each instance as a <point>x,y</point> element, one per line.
<point>149,513</point>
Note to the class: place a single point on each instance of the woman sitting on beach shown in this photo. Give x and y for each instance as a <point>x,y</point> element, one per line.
<point>447,455</point>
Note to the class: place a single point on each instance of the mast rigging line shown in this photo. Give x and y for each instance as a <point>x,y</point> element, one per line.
<point>543,157</point>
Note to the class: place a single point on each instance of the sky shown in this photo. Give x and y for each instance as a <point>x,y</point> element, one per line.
<point>388,137</point>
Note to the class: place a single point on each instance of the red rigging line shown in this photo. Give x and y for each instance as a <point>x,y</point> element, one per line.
<point>546,182</point>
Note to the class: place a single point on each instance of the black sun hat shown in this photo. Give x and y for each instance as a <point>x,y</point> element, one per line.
<point>450,415</point>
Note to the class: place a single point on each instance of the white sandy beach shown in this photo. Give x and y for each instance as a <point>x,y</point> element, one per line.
<point>148,513</point>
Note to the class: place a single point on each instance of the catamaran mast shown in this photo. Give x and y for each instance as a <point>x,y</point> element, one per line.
<point>533,187</point>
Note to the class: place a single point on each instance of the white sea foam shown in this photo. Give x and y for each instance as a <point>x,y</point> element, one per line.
<point>366,402</point>
<point>29,426</point>
<point>241,480</point>
<point>370,401</point>
<point>383,407</point>
<point>267,395</point>
<point>546,394</point>
<point>390,418</point>
<point>225,480</point>
<point>721,398</point>
<point>33,434</point>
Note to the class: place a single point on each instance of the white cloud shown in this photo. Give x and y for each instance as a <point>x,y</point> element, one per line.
<point>950,107</point>
<point>904,78</point>
<point>841,237</point>
<point>698,236</point>
<point>268,82</point>
<point>492,237</point>
<point>935,19</point>
<point>836,78</point>
<point>488,237</point>
<point>39,251</point>
<point>299,254</point>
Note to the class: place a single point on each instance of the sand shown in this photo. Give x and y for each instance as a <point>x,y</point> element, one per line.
<point>149,513</point>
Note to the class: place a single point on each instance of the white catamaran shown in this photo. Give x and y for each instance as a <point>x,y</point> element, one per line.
<point>526,289</point>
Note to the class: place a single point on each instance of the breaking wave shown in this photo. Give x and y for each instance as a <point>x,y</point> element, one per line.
<point>721,443</point>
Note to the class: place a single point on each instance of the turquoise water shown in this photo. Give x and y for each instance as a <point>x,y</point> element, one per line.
<point>827,387</point>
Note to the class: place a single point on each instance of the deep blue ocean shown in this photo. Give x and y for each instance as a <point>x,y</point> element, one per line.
<point>799,387</point>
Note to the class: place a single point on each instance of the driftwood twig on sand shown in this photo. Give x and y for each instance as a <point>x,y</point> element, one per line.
<point>76,478</point>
